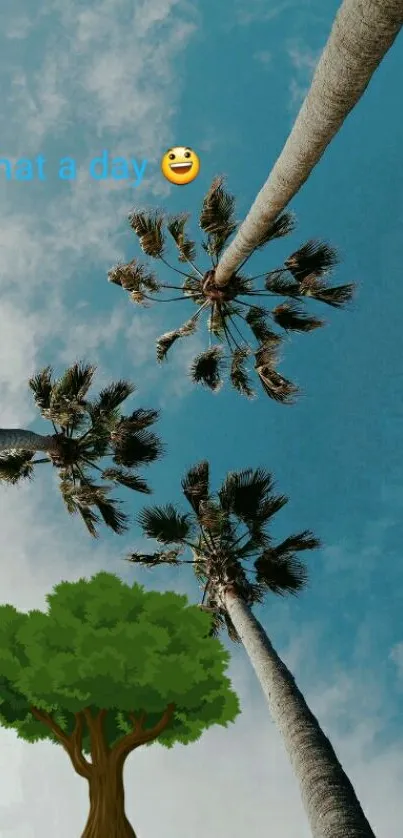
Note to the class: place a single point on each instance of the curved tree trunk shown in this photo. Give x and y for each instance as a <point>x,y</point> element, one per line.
<point>16,439</point>
<point>107,818</point>
<point>329,799</point>
<point>362,33</point>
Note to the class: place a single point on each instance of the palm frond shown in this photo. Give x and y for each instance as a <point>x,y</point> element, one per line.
<point>282,226</point>
<point>132,448</point>
<point>74,384</point>
<point>278,283</point>
<point>337,296</point>
<point>126,478</point>
<point>312,258</point>
<point>165,342</point>
<point>207,368</point>
<point>193,287</point>
<point>96,442</point>
<point>136,279</point>
<point>41,386</point>
<point>268,352</point>
<point>74,504</point>
<point>256,319</point>
<point>297,543</point>
<point>186,247</point>
<point>87,495</point>
<point>277,387</point>
<point>238,375</point>
<point>213,518</point>
<point>216,321</point>
<point>67,405</point>
<point>243,492</point>
<point>240,285</point>
<point>109,400</point>
<point>220,621</point>
<point>165,524</point>
<point>269,508</point>
<point>142,418</point>
<point>148,228</point>
<point>217,213</point>
<point>195,485</point>
<point>293,318</point>
<point>257,541</point>
<point>89,517</point>
<point>217,217</point>
<point>16,466</point>
<point>115,520</point>
<point>280,576</point>
<point>153,559</point>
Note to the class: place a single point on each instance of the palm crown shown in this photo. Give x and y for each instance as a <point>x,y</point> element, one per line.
<point>86,433</point>
<point>227,533</point>
<point>235,307</point>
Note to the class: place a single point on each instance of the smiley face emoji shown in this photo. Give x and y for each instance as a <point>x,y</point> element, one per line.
<point>180,165</point>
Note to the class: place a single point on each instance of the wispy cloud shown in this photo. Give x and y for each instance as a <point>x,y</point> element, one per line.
<point>264,57</point>
<point>54,234</point>
<point>396,655</point>
<point>258,10</point>
<point>303,61</point>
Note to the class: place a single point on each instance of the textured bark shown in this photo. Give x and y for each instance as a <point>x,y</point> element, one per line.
<point>107,817</point>
<point>329,799</point>
<point>362,33</point>
<point>16,439</point>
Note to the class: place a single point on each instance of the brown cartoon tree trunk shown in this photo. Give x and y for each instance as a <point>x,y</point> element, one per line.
<point>107,818</point>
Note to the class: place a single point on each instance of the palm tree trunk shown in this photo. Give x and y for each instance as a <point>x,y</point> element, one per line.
<point>362,33</point>
<point>17,440</point>
<point>329,799</point>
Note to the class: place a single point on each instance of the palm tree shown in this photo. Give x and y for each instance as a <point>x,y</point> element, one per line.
<point>225,532</point>
<point>361,35</point>
<point>236,308</point>
<point>85,432</point>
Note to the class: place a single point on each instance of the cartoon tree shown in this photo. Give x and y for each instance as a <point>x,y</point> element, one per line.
<point>109,667</point>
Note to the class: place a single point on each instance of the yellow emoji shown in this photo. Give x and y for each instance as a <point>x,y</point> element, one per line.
<point>180,165</point>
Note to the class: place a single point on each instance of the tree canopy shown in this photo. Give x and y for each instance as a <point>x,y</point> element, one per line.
<point>92,440</point>
<point>229,538</point>
<point>236,315</point>
<point>144,660</point>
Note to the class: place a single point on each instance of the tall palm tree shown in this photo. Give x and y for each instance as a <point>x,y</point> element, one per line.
<point>85,433</point>
<point>225,531</point>
<point>361,35</point>
<point>238,307</point>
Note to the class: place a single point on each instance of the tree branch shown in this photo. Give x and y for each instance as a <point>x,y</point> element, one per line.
<point>71,744</point>
<point>99,747</point>
<point>139,736</point>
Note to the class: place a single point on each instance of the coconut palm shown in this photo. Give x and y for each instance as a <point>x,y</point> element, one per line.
<point>237,308</point>
<point>85,434</point>
<point>361,35</point>
<point>237,563</point>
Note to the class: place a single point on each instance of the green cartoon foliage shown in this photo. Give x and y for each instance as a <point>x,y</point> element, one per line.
<point>106,646</point>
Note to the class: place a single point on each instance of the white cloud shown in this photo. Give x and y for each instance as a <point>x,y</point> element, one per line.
<point>258,10</point>
<point>112,69</point>
<point>18,27</point>
<point>303,61</point>
<point>51,235</point>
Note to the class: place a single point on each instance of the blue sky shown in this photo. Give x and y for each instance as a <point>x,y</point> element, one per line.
<point>227,80</point>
